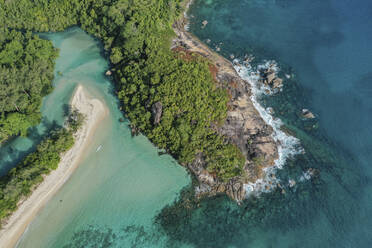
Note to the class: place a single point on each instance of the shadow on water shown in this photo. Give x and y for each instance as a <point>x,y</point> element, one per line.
<point>320,212</point>
<point>331,196</point>
<point>220,222</point>
<point>323,210</point>
<point>35,136</point>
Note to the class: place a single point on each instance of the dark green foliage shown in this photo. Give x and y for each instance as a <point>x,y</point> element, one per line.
<point>138,35</point>
<point>147,71</point>
<point>26,73</point>
<point>29,173</point>
<point>75,120</point>
<point>40,15</point>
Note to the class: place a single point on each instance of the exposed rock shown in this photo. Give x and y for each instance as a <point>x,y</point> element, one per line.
<point>202,189</point>
<point>270,78</point>
<point>204,23</point>
<point>248,58</point>
<point>108,73</point>
<point>235,191</point>
<point>221,188</point>
<point>157,111</point>
<point>243,127</point>
<point>134,130</point>
<point>270,110</point>
<point>312,172</point>
<point>277,83</point>
<point>307,114</point>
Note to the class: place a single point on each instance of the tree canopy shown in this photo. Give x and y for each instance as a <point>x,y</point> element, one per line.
<point>20,180</point>
<point>137,34</point>
<point>26,73</point>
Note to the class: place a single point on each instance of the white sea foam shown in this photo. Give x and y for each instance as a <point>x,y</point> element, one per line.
<point>187,24</point>
<point>306,175</point>
<point>288,146</point>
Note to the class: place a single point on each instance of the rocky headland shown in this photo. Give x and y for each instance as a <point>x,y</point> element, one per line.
<point>243,126</point>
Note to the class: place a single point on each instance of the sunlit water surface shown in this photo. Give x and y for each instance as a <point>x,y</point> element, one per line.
<point>324,47</point>
<point>125,183</point>
<point>117,197</point>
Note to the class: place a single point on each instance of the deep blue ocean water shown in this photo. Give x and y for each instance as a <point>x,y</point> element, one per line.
<point>325,45</point>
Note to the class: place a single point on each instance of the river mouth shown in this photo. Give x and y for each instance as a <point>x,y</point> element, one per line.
<point>121,181</point>
<point>106,204</point>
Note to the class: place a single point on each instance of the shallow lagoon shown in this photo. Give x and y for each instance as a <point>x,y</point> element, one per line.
<point>320,44</point>
<point>125,183</point>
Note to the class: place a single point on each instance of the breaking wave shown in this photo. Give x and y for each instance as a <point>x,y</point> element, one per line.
<point>288,146</point>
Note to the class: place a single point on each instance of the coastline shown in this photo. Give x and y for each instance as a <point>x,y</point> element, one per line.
<point>244,126</point>
<point>94,112</point>
<point>248,125</point>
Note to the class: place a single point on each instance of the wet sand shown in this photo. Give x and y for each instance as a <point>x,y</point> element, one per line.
<point>94,112</point>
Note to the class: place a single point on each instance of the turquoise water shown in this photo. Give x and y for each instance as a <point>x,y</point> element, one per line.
<point>123,195</point>
<point>325,47</point>
<point>125,183</point>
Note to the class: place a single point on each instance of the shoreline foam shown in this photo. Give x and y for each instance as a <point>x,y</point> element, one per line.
<point>18,222</point>
<point>287,146</point>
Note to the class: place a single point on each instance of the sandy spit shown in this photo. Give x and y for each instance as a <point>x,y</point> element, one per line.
<point>94,112</point>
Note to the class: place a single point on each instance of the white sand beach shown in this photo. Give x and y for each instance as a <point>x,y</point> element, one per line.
<point>94,111</point>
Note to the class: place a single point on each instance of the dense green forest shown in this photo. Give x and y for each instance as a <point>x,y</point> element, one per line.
<point>20,181</point>
<point>26,73</point>
<point>137,35</point>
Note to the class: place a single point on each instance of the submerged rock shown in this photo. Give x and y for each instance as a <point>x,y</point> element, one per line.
<point>291,183</point>
<point>204,23</point>
<point>243,127</point>
<point>307,114</point>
